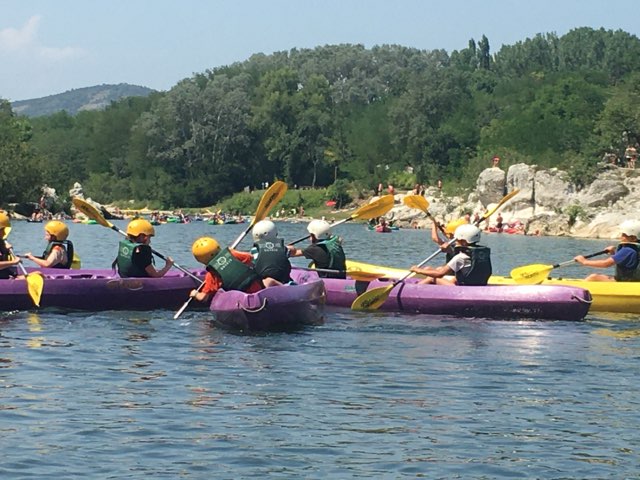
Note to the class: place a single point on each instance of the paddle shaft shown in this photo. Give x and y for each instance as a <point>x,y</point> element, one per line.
<point>569,262</point>
<point>332,225</point>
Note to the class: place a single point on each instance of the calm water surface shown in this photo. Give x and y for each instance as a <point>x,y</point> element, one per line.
<point>138,394</point>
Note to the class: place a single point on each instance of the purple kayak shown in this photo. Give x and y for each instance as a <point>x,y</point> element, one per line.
<point>282,308</point>
<point>103,289</point>
<point>509,302</point>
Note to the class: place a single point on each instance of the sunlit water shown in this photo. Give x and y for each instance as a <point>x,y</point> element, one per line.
<point>133,395</point>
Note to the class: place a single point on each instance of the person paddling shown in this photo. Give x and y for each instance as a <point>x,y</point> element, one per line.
<point>325,250</point>
<point>59,251</point>
<point>471,264</point>
<point>624,257</point>
<point>227,268</point>
<point>135,256</point>
<point>441,240</point>
<point>7,261</point>
<point>270,254</point>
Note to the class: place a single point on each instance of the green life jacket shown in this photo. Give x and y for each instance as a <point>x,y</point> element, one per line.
<point>235,275</point>
<point>480,271</point>
<point>68,248</point>
<point>272,260</point>
<point>337,258</point>
<point>632,274</point>
<point>124,260</point>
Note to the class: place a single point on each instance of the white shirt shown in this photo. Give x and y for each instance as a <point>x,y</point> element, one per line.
<point>460,261</point>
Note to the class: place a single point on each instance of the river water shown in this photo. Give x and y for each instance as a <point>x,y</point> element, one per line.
<point>140,395</point>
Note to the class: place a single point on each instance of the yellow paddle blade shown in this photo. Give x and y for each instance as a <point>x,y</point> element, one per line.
<point>76,263</point>
<point>377,208</point>
<point>91,211</point>
<point>531,274</point>
<point>35,284</point>
<point>372,299</point>
<point>416,201</point>
<point>269,200</point>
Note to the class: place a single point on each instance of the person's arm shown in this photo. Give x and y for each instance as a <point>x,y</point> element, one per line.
<point>435,234</point>
<point>601,263</point>
<point>212,284</point>
<point>437,272</point>
<point>152,272</point>
<point>9,263</point>
<point>55,257</point>
<point>294,252</point>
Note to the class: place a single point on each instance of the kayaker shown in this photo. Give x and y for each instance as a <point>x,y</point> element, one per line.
<point>59,251</point>
<point>7,261</point>
<point>226,268</point>
<point>471,263</point>
<point>442,241</point>
<point>325,250</point>
<point>624,257</point>
<point>135,257</point>
<point>270,257</point>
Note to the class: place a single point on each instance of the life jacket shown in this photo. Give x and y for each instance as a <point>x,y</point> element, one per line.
<point>480,270</point>
<point>5,255</point>
<point>272,260</point>
<point>68,248</point>
<point>234,274</point>
<point>124,260</point>
<point>632,274</point>
<point>337,258</point>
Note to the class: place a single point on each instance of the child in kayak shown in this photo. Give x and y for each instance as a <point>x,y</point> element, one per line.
<point>7,261</point>
<point>325,250</point>
<point>135,257</point>
<point>624,257</point>
<point>59,251</point>
<point>471,264</point>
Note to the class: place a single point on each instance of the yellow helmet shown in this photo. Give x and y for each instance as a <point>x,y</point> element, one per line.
<point>57,229</point>
<point>450,229</point>
<point>5,222</point>
<point>204,249</point>
<point>138,226</point>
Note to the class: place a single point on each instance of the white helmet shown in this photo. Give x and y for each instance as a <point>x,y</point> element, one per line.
<point>320,228</point>
<point>468,232</point>
<point>631,228</point>
<point>264,229</point>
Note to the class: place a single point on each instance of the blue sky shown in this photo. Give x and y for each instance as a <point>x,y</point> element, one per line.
<point>51,46</point>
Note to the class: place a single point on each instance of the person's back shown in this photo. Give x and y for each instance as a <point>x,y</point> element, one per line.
<point>135,256</point>
<point>270,258</point>
<point>325,251</point>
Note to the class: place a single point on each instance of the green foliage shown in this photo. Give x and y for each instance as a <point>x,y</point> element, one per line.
<point>339,192</point>
<point>575,212</point>
<point>341,115</point>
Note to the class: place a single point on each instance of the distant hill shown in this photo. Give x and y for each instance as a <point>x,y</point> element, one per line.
<point>74,101</point>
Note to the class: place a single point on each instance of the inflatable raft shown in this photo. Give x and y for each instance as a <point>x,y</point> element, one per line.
<point>96,290</point>
<point>507,302</point>
<point>280,308</point>
<point>618,297</point>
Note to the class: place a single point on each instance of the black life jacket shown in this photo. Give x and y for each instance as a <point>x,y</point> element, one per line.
<point>272,260</point>
<point>480,270</point>
<point>68,248</point>
<point>5,255</point>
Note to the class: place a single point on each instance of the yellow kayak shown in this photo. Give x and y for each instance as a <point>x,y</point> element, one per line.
<point>619,297</point>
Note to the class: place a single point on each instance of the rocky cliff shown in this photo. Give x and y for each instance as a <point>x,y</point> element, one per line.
<point>548,203</point>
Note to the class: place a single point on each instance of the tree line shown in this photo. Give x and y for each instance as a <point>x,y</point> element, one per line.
<point>341,114</point>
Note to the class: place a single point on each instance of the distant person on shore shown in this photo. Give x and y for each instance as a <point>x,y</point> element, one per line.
<point>227,268</point>
<point>495,162</point>
<point>7,261</point>
<point>270,256</point>
<point>59,251</point>
<point>135,257</point>
<point>499,223</point>
<point>631,155</point>
<point>624,257</point>
<point>471,263</point>
<point>325,250</point>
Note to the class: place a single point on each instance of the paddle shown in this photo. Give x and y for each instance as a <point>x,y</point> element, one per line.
<point>377,208</point>
<point>374,298</point>
<point>269,200</point>
<point>420,203</point>
<point>35,282</point>
<point>92,212</point>
<point>537,273</point>
<point>355,274</point>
